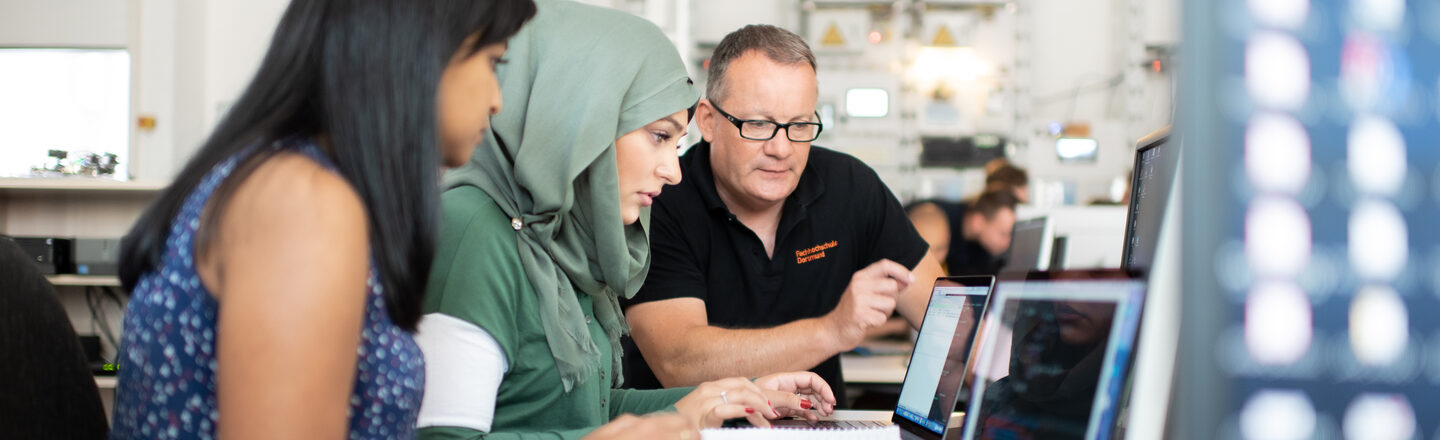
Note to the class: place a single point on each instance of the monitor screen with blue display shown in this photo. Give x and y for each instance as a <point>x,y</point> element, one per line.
<point>1311,196</point>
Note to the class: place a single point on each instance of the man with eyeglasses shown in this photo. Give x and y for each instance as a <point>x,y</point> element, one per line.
<point>772,254</point>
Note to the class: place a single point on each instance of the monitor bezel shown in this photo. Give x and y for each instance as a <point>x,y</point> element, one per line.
<point>1147,143</point>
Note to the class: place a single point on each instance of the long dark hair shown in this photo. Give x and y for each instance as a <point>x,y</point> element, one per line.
<point>366,73</point>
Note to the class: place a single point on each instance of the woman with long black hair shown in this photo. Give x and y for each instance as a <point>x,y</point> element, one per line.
<point>275,285</point>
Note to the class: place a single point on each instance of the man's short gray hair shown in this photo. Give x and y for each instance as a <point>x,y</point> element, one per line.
<point>779,45</point>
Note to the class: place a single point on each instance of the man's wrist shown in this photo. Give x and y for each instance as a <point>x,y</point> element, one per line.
<point>831,337</point>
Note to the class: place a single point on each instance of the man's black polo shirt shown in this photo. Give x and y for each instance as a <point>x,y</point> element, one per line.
<point>840,219</point>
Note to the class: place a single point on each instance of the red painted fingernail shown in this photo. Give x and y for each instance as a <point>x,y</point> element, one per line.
<point>777,413</point>
<point>805,404</point>
<point>749,410</point>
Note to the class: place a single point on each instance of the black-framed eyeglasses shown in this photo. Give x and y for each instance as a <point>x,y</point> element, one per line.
<point>764,130</point>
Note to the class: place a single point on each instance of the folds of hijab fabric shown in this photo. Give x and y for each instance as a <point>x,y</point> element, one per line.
<point>579,77</point>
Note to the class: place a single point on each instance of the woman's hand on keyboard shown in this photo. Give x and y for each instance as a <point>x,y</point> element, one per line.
<point>800,394</point>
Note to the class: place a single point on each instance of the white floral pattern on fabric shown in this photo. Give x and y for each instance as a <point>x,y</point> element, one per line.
<point>166,386</point>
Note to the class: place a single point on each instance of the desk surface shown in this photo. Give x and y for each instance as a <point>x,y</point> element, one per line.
<point>884,369</point>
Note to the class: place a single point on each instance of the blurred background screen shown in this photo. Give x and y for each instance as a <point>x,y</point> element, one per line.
<point>1315,297</point>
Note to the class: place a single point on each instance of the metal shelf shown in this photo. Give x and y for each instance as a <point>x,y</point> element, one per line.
<point>78,184</point>
<point>84,280</point>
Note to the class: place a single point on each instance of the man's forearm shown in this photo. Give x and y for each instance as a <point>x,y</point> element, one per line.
<point>916,298</point>
<point>706,353</point>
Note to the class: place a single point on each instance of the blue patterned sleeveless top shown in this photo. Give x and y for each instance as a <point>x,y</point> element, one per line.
<point>166,385</point>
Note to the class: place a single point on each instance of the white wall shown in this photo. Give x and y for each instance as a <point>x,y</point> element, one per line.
<point>65,23</point>
<point>192,125</point>
<point>1076,45</point>
<point>238,34</point>
<point>712,20</point>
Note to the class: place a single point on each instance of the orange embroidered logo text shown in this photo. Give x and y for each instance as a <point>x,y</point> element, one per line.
<point>814,253</point>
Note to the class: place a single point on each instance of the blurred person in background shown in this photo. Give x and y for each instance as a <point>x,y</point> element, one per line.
<point>1011,177</point>
<point>977,231</point>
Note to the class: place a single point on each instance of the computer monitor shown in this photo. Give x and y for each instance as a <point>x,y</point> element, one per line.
<point>1053,356</point>
<point>1310,250</point>
<point>1030,245</point>
<point>1156,161</point>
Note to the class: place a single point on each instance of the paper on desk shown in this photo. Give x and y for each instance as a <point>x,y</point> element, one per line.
<point>890,432</point>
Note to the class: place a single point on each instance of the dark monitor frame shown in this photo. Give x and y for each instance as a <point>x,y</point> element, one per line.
<point>1073,274</point>
<point>1145,144</point>
<point>957,281</point>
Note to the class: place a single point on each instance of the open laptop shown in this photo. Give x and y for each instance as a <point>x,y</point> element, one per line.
<point>1030,246</point>
<point>936,372</point>
<point>1053,355</point>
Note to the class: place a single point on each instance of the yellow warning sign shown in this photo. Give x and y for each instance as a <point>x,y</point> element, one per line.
<point>832,36</point>
<point>943,37</point>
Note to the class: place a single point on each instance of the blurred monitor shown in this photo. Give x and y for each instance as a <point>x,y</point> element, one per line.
<point>1310,248</point>
<point>1076,149</point>
<point>968,151</point>
<point>1150,184</point>
<point>1030,245</point>
<point>867,102</point>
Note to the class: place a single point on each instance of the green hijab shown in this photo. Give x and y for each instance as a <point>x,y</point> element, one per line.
<point>579,77</point>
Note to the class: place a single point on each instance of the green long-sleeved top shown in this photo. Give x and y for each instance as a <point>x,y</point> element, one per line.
<point>477,277</point>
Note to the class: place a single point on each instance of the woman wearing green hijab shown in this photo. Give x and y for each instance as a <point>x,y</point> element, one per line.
<point>546,228</point>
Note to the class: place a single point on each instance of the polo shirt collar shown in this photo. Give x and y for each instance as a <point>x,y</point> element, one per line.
<point>699,173</point>
<point>808,191</point>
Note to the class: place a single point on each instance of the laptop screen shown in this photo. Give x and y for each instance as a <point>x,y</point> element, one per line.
<point>1053,358</point>
<point>937,364</point>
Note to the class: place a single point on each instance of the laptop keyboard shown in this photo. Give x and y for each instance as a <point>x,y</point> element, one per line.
<point>848,424</point>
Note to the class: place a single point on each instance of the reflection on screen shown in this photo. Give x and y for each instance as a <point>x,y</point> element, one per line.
<point>938,362</point>
<point>1040,380</point>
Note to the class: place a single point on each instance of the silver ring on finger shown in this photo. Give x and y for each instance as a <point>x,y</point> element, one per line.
<point>723,398</point>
